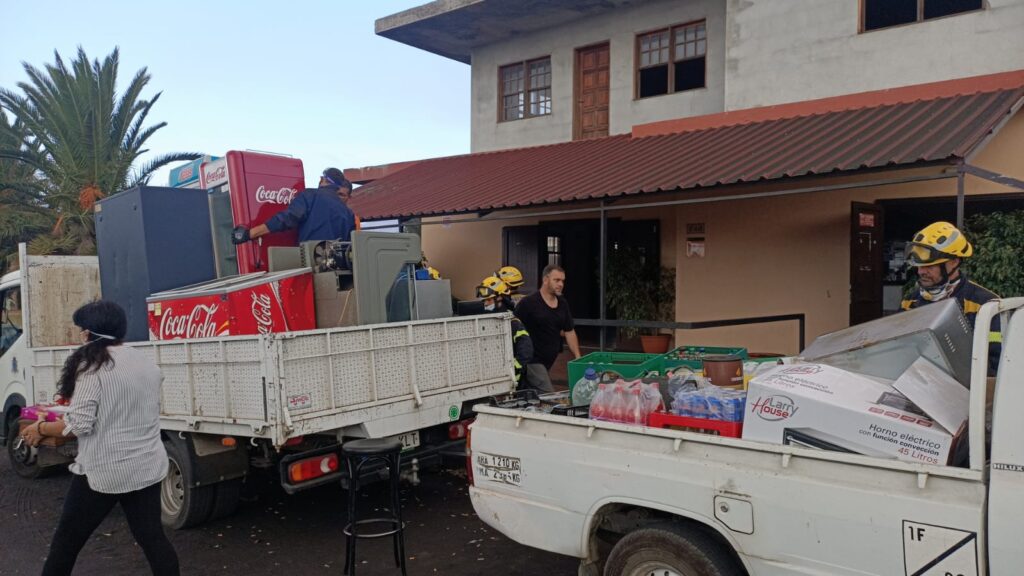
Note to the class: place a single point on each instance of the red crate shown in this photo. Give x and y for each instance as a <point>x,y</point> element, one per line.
<point>716,427</point>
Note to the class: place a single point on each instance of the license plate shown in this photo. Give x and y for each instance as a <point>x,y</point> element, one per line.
<point>409,440</point>
<point>503,469</point>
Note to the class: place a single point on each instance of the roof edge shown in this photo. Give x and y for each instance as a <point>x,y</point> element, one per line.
<point>888,96</point>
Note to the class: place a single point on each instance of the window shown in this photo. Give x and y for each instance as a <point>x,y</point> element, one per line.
<point>10,318</point>
<point>554,251</point>
<point>672,60</point>
<point>885,13</point>
<point>525,89</point>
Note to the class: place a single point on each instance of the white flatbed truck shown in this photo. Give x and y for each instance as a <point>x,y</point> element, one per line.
<point>639,501</point>
<point>284,401</point>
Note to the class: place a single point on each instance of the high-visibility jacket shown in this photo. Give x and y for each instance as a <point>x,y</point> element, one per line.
<point>522,348</point>
<point>970,296</point>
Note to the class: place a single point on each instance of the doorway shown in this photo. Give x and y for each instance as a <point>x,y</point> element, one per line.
<point>901,218</point>
<point>591,86</point>
<point>575,246</point>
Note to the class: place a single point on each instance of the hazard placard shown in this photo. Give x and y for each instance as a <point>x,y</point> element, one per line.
<point>930,550</point>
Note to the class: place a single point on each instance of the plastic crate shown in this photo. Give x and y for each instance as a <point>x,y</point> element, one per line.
<point>695,354</point>
<point>626,364</point>
<point>703,425</point>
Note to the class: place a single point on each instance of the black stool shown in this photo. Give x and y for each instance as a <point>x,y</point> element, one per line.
<point>357,454</point>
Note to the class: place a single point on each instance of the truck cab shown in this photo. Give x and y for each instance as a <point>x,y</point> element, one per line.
<point>14,360</point>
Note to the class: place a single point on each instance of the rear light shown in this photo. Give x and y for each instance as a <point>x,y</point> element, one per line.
<point>469,455</point>
<point>228,441</point>
<point>310,468</point>
<point>458,430</point>
<point>294,441</point>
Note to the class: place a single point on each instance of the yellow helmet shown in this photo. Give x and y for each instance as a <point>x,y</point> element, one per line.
<point>511,276</point>
<point>937,243</point>
<point>492,287</point>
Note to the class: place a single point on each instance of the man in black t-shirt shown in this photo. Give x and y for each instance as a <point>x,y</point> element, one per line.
<point>547,318</point>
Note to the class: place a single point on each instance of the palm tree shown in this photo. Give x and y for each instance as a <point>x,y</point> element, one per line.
<point>83,139</point>
<point>23,214</point>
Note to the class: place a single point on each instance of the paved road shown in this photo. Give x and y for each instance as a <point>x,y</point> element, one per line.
<point>278,534</point>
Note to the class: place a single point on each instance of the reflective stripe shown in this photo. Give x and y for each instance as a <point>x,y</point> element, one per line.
<point>995,337</point>
<point>971,307</point>
<point>906,304</point>
<point>520,333</point>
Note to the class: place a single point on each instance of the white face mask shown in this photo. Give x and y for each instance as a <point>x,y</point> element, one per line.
<point>490,306</point>
<point>938,293</point>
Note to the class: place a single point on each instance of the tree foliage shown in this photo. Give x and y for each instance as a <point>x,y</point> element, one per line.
<point>998,240</point>
<point>81,140</point>
<point>638,289</point>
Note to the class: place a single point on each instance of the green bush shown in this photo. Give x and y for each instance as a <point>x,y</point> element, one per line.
<point>998,240</point>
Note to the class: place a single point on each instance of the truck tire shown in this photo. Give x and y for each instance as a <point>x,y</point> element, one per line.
<point>669,549</point>
<point>22,456</point>
<point>182,504</point>
<point>226,496</point>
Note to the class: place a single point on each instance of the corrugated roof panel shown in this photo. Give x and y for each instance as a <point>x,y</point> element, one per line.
<point>821,142</point>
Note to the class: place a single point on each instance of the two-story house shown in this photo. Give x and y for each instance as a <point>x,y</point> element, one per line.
<point>775,153</point>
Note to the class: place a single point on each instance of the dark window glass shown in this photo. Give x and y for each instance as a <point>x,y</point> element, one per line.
<point>689,74</point>
<point>938,8</point>
<point>654,81</point>
<point>885,13</point>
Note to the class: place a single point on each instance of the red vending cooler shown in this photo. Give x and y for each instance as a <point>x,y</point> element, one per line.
<point>246,189</point>
<point>257,303</point>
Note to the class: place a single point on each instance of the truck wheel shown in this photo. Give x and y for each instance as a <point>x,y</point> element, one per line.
<point>226,497</point>
<point>182,504</point>
<point>22,456</point>
<point>669,551</point>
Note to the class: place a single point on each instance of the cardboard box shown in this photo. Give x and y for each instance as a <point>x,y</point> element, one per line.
<point>820,406</point>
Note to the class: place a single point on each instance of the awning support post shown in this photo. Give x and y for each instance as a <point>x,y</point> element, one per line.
<point>602,269</point>
<point>960,196</point>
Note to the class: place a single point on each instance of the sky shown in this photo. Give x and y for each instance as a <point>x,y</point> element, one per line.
<point>307,78</point>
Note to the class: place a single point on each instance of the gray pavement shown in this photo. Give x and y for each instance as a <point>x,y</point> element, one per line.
<point>278,534</point>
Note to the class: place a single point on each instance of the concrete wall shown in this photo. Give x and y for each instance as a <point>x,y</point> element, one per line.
<point>619,28</point>
<point>791,254</point>
<point>768,256</point>
<point>797,50</point>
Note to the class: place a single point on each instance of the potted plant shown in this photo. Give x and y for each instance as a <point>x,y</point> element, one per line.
<point>658,342</point>
<point>641,291</point>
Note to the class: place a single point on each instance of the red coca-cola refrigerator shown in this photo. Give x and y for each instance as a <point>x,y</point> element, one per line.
<point>258,303</point>
<point>246,189</point>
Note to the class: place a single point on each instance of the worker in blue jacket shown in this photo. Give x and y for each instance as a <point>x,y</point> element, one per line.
<point>319,214</point>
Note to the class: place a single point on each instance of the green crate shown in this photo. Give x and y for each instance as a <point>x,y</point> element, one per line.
<point>694,360</point>
<point>628,364</point>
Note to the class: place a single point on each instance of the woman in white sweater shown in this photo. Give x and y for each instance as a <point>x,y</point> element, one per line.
<point>115,414</point>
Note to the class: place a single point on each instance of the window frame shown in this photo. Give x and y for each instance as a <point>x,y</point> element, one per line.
<point>672,58</point>
<point>527,89</point>
<point>862,20</point>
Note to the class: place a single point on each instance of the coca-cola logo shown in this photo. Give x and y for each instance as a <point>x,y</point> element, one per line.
<point>216,175</point>
<point>262,313</point>
<point>283,195</point>
<point>198,323</point>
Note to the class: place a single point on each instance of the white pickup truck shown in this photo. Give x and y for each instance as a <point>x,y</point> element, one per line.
<point>641,501</point>
<point>282,401</point>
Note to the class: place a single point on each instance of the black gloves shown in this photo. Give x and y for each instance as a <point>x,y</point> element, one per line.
<point>240,235</point>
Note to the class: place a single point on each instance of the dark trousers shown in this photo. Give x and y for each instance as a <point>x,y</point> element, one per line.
<point>84,509</point>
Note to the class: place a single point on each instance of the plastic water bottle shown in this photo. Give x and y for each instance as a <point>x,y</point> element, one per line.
<point>617,405</point>
<point>652,398</point>
<point>599,403</point>
<point>635,408</point>
<point>584,390</point>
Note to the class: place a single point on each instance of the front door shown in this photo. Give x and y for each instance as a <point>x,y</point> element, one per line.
<point>866,228</point>
<point>590,119</point>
